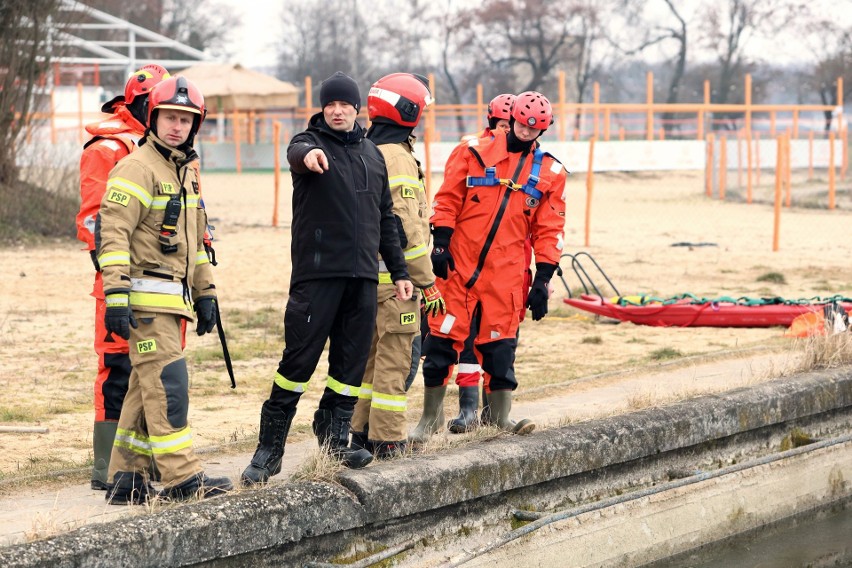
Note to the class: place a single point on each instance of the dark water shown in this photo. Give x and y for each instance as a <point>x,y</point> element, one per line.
<point>819,540</point>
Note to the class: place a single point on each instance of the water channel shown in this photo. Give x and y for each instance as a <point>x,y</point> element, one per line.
<point>814,540</point>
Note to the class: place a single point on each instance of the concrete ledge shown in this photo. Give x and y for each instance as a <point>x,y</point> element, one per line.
<point>284,515</point>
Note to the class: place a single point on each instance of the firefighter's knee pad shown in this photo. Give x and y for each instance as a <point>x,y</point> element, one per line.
<point>498,357</point>
<point>175,381</point>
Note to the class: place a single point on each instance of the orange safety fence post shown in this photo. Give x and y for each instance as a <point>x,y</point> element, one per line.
<point>596,111</point>
<point>427,163</point>
<point>779,169</point>
<point>80,126</point>
<point>788,166</point>
<point>708,169</point>
<point>831,180</point>
<point>607,115</point>
<point>235,121</point>
<point>723,166</point>
<point>251,135</point>
<point>740,162</point>
<point>757,158</point>
<point>621,133</point>
<point>590,185</point>
<point>785,180</point>
<point>810,155</point>
<point>276,155</point>
<point>747,135</point>
<point>649,113</point>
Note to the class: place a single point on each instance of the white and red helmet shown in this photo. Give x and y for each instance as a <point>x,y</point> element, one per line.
<point>533,109</point>
<point>399,98</point>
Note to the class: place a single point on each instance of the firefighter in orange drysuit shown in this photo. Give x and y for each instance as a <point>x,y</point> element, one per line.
<point>494,195</point>
<point>112,139</point>
<point>469,369</point>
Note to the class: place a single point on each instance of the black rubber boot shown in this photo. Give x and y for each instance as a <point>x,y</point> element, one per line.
<point>332,430</point>
<point>130,488</point>
<point>199,486</point>
<point>103,435</point>
<point>466,421</point>
<point>266,462</point>
<point>388,450</point>
<point>361,440</point>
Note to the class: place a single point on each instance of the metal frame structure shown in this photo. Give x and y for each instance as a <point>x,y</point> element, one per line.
<point>108,54</point>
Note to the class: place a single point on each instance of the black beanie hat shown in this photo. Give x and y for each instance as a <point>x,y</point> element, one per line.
<point>340,87</point>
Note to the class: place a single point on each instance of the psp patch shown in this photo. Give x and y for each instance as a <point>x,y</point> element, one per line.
<point>407,318</point>
<point>408,192</point>
<point>168,188</point>
<point>118,197</point>
<point>146,346</point>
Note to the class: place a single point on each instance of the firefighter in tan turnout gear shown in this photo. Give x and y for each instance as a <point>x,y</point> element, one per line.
<point>113,138</point>
<point>395,104</point>
<point>149,238</point>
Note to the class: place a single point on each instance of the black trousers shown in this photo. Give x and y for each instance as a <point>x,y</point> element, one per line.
<point>341,311</point>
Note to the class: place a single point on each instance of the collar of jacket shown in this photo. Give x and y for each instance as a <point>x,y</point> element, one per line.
<point>179,156</point>
<point>119,121</point>
<point>494,150</point>
<point>354,136</point>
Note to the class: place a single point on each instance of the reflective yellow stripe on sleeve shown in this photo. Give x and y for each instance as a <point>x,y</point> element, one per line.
<point>385,278</point>
<point>289,385</point>
<point>415,252</point>
<point>201,258</point>
<point>118,258</point>
<point>341,388</point>
<point>396,181</point>
<point>134,189</point>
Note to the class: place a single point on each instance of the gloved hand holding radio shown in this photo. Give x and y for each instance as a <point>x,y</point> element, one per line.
<point>118,318</point>
<point>539,293</point>
<point>205,315</point>
<point>442,260</point>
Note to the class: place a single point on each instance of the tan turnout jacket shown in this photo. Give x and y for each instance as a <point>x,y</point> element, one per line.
<point>129,231</point>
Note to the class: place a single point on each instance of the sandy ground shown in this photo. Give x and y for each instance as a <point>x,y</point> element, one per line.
<point>47,365</point>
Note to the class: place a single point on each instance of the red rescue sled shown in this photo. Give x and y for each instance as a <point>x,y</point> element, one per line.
<point>687,313</point>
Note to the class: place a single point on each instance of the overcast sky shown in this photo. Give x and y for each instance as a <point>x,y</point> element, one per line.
<point>254,41</point>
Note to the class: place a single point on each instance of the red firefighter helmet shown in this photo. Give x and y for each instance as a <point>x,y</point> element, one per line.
<point>398,98</point>
<point>533,109</point>
<point>500,107</point>
<point>177,93</point>
<point>140,83</point>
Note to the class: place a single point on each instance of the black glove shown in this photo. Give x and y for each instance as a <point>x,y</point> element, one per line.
<point>94,255</point>
<point>205,315</point>
<point>442,260</point>
<point>537,300</point>
<point>118,318</point>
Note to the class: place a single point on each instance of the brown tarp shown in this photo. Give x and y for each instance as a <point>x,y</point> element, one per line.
<point>231,86</point>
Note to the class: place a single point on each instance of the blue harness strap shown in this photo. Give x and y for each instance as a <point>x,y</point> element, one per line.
<point>528,188</point>
<point>489,179</point>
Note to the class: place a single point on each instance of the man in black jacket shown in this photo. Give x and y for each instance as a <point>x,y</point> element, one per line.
<point>342,219</point>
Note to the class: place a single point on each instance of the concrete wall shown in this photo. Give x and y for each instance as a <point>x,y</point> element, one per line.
<point>426,496</point>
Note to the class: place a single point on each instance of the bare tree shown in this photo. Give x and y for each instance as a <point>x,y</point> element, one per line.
<point>830,45</point>
<point>727,29</point>
<point>316,45</point>
<point>25,56</point>
<point>655,31</point>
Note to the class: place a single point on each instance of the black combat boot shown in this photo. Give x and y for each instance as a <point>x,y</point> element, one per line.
<point>388,450</point>
<point>198,486</point>
<point>266,462</point>
<point>466,421</point>
<point>332,429</point>
<point>362,440</point>
<point>129,488</point>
